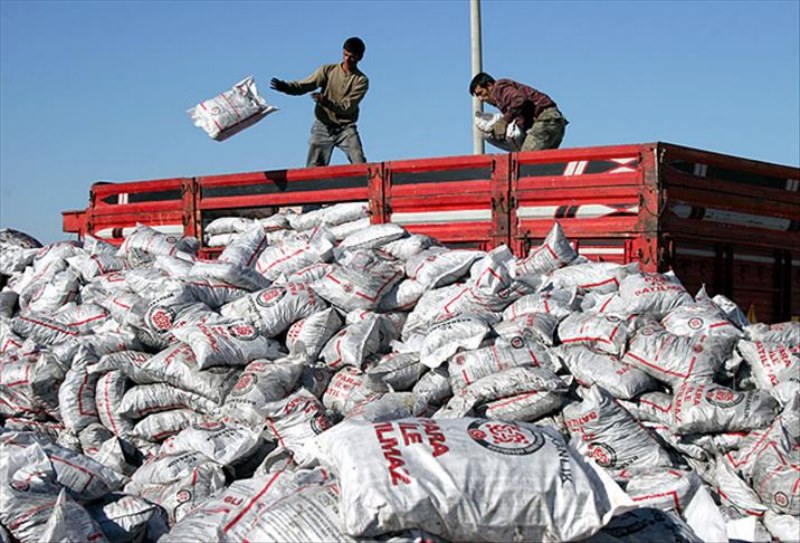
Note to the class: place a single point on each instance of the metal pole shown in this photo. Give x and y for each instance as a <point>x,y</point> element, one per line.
<point>477,62</point>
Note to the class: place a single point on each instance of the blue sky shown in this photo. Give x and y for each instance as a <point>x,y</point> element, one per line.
<point>93,91</point>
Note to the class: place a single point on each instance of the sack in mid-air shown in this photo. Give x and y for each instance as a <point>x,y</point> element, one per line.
<point>232,111</point>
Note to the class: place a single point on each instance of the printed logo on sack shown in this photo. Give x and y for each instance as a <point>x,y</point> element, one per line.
<point>347,287</point>
<point>505,438</point>
<point>695,323</point>
<point>780,499</point>
<point>648,330</point>
<point>604,455</point>
<point>183,496</point>
<point>459,360</point>
<point>270,297</point>
<point>242,331</point>
<point>172,240</point>
<point>161,318</point>
<point>517,342</point>
<point>21,486</point>
<point>244,385</point>
<point>320,423</point>
<point>722,397</point>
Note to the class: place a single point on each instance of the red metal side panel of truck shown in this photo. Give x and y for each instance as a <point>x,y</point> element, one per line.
<point>729,223</point>
<point>603,198</point>
<point>733,224</point>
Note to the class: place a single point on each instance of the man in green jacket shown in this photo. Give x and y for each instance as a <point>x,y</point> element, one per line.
<point>342,86</point>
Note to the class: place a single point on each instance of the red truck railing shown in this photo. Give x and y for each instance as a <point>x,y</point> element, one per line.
<point>729,222</point>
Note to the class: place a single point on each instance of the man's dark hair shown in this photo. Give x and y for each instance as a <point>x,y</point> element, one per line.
<point>355,46</point>
<point>480,80</point>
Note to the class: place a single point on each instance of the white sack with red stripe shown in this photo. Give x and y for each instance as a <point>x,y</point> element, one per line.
<point>433,388</point>
<point>591,366</point>
<point>159,426</point>
<point>555,252</point>
<point>783,332</point>
<point>245,249</point>
<point>223,443</point>
<point>76,395</point>
<point>354,343</point>
<point>603,430</point>
<point>232,514</point>
<point>403,296</point>
<point>651,406</point>
<point>110,390</point>
<point>152,241</point>
<point>125,307</point>
<point>90,266</point>
<point>28,492</point>
<point>177,366</point>
<point>214,292</point>
<point>341,231</point>
<point>389,406</point>
<point>306,275</point>
<point>503,384</point>
<point>539,327</point>
<point>597,277</point>
<point>15,403</point>
<point>438,266</point>
<point>359,281</point>
<point>700,407</point>
<point>372,237</point>
<point>276,308</point>
<point>85,478</point>
<point>505,481</point>
<point>69,521</point>
<point>396,372</point>
<point>85,318</point>
<point>606,333</point>
<point>294,423</point>
<point>308,336</point>
<point>142,400</point>
<point>771,363</point>
<point>405,248</point>
<point>227,225</point>
<point>468,367</point>
<point>527,406</point>
<point>674,359</point>
<point>443,339</point>
<point>231,111</point>
<point>650,293</point>
<point>42,329</point>
<point>287,257</point>
<point>703,316</point>
<point>557,302</point>
<point>667,489</point>
<point>181,496</point>
<point>346,388</point>
<point>37,376</point>
<point>261,383</point>
<point>227,343</point>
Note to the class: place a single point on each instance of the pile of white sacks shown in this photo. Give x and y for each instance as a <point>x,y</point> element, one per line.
<point>327,380</point>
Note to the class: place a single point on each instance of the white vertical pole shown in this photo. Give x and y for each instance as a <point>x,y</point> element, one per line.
<point>477,62</point>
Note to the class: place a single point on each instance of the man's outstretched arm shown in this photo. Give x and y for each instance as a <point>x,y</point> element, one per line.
<point>296,88</point>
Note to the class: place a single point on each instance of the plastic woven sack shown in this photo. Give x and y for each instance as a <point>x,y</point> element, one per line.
<point>231,111</point>
<point>540,489</point>
<point>593,367</point>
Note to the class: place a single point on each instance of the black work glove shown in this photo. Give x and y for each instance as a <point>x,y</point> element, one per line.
<point>278,84</point>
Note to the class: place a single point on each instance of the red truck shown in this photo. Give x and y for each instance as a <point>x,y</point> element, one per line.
<point>730,223</point>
